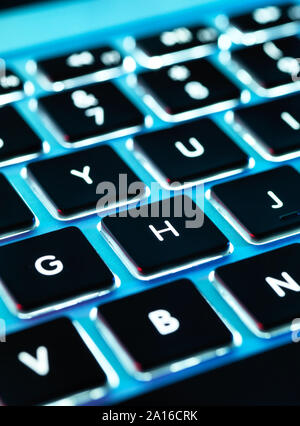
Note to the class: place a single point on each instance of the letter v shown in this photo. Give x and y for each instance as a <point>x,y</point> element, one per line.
<point>39,364</point>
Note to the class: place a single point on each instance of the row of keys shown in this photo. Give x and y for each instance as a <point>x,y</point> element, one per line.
<point>19,142</point>
<point>162,320</point>
<point>150,245</point>
<point>87,115</point>
<point>34,363</point>
<point>81,174</point>
<point>271,64</point>
<point>81,177</point>
<point>174,319</point>
<point>61,268</point>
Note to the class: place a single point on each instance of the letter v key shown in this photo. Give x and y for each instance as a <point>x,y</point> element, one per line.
<point>277,200</point>
<point>39,364</point>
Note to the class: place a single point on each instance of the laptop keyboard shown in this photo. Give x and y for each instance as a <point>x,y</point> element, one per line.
<point>210,108</point>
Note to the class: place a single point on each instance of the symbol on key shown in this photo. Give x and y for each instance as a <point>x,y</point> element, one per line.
<point>196,90</point>
<point>80,59</point>
<point>97,113</point>
<point>179,73</point>
<point>56,265</point>
<point>39,364</point>
<point>83,175</point>
<point>82,99</point>
<point>288,283</point>
<point>169,227</point>
<point>274,197</point>
<point>173,321</point>
<point>163,321</point>
<point>198,148</point>
<point>290,120</point>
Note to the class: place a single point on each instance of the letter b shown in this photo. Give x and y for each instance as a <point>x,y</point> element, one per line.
<point>163,321</point>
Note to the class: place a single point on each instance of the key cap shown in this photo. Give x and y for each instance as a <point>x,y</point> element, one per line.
<point>164,237</point>
<point>273,126</point>
<point>176,44</point>
<point>282,143</point>
<point>91,114</point>
<point>38,366</point>
<point>268,297</point>
<point>187,90</point>
<point>184,155</point>
<point>15,215</point>
<point>261,207</point>
<point>271,65</point>
<point>11,86</point>
<point>57,269</point>
<point>264,377</point>
<point>173,322</point>
<point>76,68</point>
<point>18,142</point>
<point>71,185</point>
<point>248,28</point>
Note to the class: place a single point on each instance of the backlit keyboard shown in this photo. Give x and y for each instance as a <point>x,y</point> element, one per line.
<point>150,214</point>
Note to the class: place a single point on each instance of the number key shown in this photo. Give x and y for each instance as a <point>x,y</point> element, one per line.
<point>263,22</point>
<point>70,70</point>
<point>91,114</point>
<point>175,45</point>
<point>187,90</point>
<point>273,66</point>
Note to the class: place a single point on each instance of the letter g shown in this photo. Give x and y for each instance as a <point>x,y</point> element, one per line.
<point>56,266</point>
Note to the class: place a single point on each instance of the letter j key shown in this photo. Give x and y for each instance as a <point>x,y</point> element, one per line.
<point>261,207</point>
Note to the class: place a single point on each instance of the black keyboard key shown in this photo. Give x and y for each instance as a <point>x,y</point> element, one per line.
<point>264,289</point>
<point>173,322</point>
<point>175,45</point>
<point>188,154</point>
<point>274,127</point>
<point>265,379</point>
<point>164,237</point>
<point>46,364</point>
<point>11,86</point>
<point>15,215</point>
<point>70,182</point>
<point>69,70</point>
<point>90,114</point>
<point>271,65</point>
<point>18,142</point>
<point>188,90</point>
<point>261,207</point>
<point>264,18</point>
<point>57,269</point>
